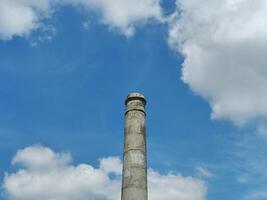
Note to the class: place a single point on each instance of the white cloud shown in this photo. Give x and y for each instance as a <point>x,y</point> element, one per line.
<point>249,155</point>
<point>40,158</point>
<point>47,175</point>
<point>174,186</point>
<point>123,15</point>
<point>225,45</point>
<point>204,172</point>
<point>22,17</point>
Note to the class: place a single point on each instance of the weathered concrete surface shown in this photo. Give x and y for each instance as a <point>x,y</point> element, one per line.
<point>134,180</point>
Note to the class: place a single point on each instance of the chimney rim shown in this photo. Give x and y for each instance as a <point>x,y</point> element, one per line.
<point>135,96</point>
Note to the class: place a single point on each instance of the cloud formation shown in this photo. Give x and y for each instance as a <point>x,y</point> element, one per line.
<point>123,15</point>
<point>22,17</point>
<point>250,160</point>
<point>47,175</point>
<point>224,45</point>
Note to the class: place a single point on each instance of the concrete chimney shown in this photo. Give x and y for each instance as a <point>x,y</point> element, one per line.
<point>134,177</point>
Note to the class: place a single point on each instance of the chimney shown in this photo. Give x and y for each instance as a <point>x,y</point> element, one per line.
<point>134,177</point>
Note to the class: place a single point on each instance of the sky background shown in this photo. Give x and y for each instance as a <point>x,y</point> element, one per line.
<point>67,66</point>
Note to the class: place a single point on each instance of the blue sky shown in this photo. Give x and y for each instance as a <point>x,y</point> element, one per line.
<point>63,86</point>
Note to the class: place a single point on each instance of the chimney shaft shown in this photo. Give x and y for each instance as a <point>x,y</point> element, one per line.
<point>134,178</point>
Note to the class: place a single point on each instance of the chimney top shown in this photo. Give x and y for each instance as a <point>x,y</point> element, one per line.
<point>135,96</point>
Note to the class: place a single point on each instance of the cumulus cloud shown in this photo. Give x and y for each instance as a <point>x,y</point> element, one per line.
<point>47,175</point>
<point>22,17</point>
<point>174,186</point>
<point>123,15</point>
<point>224,44</point>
